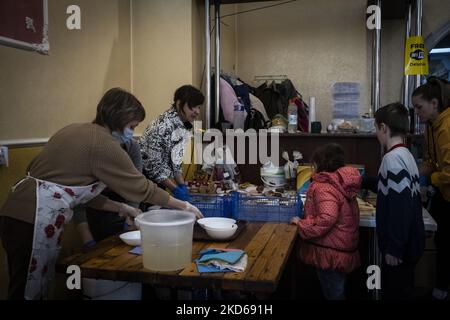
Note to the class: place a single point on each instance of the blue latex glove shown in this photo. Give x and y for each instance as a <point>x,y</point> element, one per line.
<point>89,244</point>
<point>181,193</point>
<point>184,187</point>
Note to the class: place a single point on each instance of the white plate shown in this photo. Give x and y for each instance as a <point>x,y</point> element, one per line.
<point>132,238</point>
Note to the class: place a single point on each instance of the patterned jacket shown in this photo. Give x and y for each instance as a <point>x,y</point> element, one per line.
<point>162,146</point>
<point>330,227</point>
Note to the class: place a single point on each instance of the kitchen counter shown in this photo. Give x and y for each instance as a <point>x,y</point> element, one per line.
<point>366,220</point>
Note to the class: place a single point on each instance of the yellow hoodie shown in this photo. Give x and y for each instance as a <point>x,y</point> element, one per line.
<point>438,138</point>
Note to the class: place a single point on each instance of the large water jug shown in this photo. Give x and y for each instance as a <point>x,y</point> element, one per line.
<point>166,239</point>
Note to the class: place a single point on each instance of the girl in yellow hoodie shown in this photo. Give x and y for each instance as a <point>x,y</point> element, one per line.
<point>432,104</point>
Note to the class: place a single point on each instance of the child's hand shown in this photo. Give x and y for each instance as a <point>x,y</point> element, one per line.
<point>392,261</point>
<point>295,220</point>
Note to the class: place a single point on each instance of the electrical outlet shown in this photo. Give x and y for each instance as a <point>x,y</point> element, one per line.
<point>4,156</point>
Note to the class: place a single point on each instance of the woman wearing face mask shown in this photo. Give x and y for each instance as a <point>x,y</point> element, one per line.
<point>164,141</point>
<point>74,167</point>
<point>432,104</point>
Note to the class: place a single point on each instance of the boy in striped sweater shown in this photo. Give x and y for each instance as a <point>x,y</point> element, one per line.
<point>400,228</point>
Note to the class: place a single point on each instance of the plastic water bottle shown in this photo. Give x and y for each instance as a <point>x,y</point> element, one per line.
<point>239,115</point>
<point>292,117</point>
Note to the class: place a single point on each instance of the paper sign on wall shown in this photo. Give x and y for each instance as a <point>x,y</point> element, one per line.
<point>416,57</point>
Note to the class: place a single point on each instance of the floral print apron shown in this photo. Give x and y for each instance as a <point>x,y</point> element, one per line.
<point>54,204</point>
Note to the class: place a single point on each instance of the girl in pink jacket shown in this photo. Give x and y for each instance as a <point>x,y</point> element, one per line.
<point>329,229</point>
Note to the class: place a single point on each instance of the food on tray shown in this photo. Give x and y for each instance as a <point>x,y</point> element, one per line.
<point>347,126</point>
<point>209,187</point>
<point>245,185</point>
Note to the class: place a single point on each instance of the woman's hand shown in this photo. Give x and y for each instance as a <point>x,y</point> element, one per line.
<point>182,193</point>
<point>183,205</point>
<point>191,208</point>
<point>128,211</point>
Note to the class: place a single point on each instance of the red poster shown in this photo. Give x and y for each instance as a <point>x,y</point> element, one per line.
<point>24,24</point>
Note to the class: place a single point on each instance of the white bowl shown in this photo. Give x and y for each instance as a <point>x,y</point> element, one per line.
<point>132,238</point>
<point>216,222</point>
<point>221,233</point>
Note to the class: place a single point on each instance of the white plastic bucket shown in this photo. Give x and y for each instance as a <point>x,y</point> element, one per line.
<point>96,289</point>
<point>166,239</point>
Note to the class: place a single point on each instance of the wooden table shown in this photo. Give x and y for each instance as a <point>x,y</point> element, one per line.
<point>268,246</point>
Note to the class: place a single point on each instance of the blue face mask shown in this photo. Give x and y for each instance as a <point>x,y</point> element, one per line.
<point>124,137</point>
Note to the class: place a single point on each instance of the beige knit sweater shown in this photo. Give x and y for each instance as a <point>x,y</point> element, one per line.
<point>79,155</point>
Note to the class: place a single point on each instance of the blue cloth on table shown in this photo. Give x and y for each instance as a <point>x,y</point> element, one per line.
<point>218,260</point>
<point>136,250</point>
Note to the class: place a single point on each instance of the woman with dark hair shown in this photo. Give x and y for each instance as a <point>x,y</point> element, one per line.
<point>164,141</point>
<point>432,104</point>
<point>76,164</point>
<point>329,229</point>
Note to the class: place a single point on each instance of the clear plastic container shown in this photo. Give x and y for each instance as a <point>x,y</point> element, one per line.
<point>166,237</point>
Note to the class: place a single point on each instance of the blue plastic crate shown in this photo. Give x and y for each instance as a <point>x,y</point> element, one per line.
<point>262,208</point>
<point>212,205</point>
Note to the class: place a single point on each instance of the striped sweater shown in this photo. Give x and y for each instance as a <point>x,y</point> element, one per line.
<point>400,227</point>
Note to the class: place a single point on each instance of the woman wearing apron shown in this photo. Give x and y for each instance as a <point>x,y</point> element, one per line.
<point>76,164</point>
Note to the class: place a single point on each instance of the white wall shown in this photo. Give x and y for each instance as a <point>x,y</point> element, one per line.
<point>39,94</point>
<point>162,52</point>
<point>315,43</point>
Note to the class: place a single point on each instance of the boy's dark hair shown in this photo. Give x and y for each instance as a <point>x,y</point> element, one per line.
<point>190,95</point>
<point>328,158</point>
<point>395,116</point>
<point>435,88</point>
<point>117,108</point>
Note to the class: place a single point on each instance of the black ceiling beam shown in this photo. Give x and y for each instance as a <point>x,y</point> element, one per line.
<point>392,9</point>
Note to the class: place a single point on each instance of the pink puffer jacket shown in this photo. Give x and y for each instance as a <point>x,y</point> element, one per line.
<point>330,225</point>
